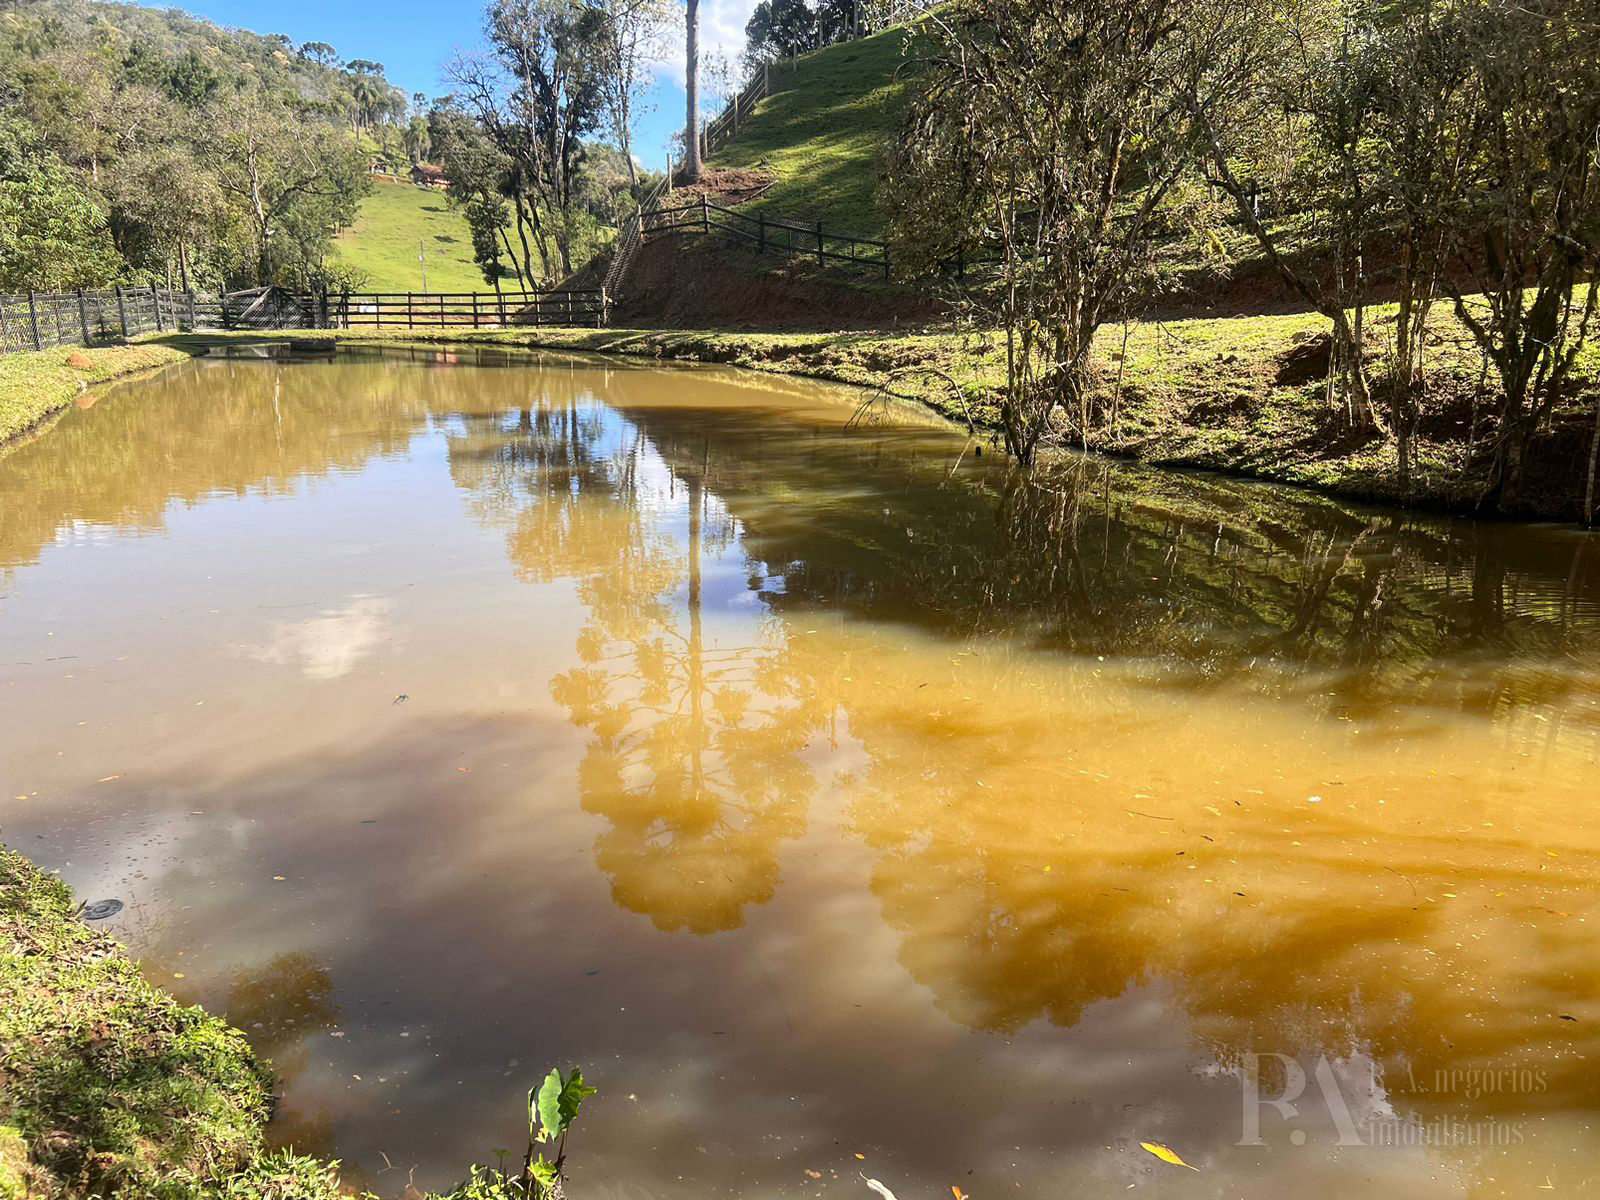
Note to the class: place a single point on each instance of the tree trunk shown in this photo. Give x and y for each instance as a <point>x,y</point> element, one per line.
<point>693,166</point>
<point>516,264</point>
<point>625,136</point>
<point>1594,456</point>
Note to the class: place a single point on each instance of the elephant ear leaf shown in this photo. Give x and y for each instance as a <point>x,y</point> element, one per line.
<point>557,1101</point>
<point>544,1173</point>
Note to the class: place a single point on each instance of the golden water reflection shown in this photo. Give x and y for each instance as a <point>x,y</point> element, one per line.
<point>1011,812</point>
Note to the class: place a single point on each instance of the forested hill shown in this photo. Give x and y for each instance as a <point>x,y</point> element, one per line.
<point>140,145</point>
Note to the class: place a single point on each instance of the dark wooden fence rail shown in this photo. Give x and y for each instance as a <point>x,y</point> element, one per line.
<point>724,127</point>
<point>41,320</point>
<point>770,234</point>
<point>474,310</point>
<point>630,237</point>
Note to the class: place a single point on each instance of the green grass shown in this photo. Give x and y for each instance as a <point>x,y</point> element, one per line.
<point>35,386</point>
<point>395,221</point>
<point>822,132</point>
<point>113,1088</point>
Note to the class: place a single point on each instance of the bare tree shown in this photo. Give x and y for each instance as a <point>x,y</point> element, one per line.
<point>1421,114</point>
<point>1055,129</point>
<point>633,30</point>
<point>1527,230</point>
<point>1305,74</point>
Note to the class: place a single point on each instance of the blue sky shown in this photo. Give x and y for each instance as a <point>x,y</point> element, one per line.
<point>414,41</point>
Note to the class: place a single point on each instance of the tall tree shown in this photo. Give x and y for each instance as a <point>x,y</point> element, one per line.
<point>294,181</point>
<point>1528,228</point>
<point>51,234</point>
<point>693,164</point>
<point>631,33</point>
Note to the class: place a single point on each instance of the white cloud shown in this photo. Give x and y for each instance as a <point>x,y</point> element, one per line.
<point>331,643</point>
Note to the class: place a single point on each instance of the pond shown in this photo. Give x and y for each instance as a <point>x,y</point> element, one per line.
<point>843,802</point>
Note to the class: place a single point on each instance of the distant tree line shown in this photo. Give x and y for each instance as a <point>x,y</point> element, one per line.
<point>780,29</point>
<point>1440,155</point>
<point>139,146</point>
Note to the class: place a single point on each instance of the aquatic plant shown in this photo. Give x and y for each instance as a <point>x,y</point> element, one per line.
<point>552,1108</point>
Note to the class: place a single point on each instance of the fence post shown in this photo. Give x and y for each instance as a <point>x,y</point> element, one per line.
<point>411,312</point>
<point>705,213</point>
<point>5,330</point>
<point>819,245</point>
<point>33,319</point>
<point>83,316</point>
<point>194,313</point>
<point>605,308</point>
<point>442,319</point>
<point>761,224</point>
<point>155,297</point>
<point>500,302</point>
<point>474,310</point>
<point>569,309</point>
<point>886,262</point>
<point>122,312</point>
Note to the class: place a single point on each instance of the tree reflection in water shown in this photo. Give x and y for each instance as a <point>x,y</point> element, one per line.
<point>1091,705</point>
<point>695,758</point>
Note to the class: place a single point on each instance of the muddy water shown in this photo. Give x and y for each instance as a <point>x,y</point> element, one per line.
<point>841,802</point>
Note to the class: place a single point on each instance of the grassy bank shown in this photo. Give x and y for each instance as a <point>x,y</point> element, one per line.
<point>112,1090</point>
<point>36,386</point>
<point>108,1086</point>
<point>822,130</point>
<point>1242,395</point>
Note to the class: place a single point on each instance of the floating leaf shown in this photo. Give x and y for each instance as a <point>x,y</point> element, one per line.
<point>1166,1154</point>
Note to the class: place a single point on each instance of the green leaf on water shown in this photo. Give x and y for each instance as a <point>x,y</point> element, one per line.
<point>555,1104</point>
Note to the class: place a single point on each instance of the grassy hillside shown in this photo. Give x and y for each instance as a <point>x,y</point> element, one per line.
<point>384,242</point>
<point>823,130</point>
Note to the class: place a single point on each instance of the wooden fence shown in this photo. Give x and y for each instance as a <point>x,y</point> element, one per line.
<point>474,310</point>
<point>630,237</point>
<point>769,234</point>
<point>41,320</point>
<point>414,310</point>
<point>724,127</point>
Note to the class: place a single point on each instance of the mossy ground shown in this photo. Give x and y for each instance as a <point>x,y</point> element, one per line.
<point>108,1086</point>
<point>35,386</point>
